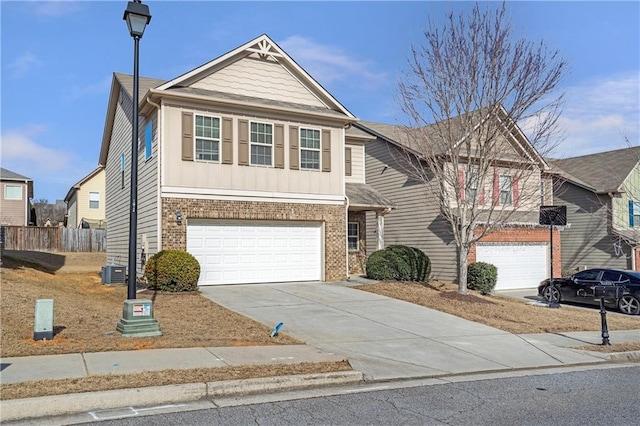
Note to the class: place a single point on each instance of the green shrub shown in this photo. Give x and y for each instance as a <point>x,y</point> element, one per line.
<point>482,277</point>
<point>172,270</point>
<point>397,262</point>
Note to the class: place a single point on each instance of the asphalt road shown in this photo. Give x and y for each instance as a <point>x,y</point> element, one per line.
<point>609,396</point>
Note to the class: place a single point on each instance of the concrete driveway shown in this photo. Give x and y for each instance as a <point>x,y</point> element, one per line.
<point>387,338</point>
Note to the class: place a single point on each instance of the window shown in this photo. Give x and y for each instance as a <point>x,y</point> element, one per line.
<point>588,275</point>
<point>148,140</point>
<point>310,149</point>
<point>352,236</point>
<point>634,214</point>
<point>94,200</point>
<point>614,277</point>
<point>122,171</point>
<point>261,141</point>
<point>505,190</point>
<point>13,192</point>
<point>207,138</point>
<point>473,186</point>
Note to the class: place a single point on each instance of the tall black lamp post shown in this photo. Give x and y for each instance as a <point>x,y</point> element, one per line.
<point>137,317</point>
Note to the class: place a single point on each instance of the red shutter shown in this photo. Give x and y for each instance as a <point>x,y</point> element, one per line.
<point>496,189</point>
<point>481,197</point>
<point>516,192</point>
<point>461,183</point>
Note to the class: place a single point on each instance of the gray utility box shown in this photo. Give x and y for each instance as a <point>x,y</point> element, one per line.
<point>113,274</point>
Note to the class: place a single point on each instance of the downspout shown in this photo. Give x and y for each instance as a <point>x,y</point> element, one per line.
<point>346,228</point>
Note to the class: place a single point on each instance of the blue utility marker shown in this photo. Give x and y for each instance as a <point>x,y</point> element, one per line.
<point>277,328</point>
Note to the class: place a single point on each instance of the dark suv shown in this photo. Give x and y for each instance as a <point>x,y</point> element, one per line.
<point>621,289</point>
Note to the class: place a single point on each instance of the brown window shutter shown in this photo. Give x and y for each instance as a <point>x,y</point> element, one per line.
<point>243,142</point>
<point>279,144</point>
<point>294,156</point>
<point>227,140</point>
<point>347,161</point>
<point>326,151</point>
<point>187,136</point>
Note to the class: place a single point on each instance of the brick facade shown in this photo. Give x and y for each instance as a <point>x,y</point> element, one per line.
<point>524,234</point>
<point>174,236</point>
<point>358,259</point>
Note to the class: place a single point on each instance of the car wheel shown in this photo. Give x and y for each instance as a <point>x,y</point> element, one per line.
<point>551,294</point>
<point>629,305</point>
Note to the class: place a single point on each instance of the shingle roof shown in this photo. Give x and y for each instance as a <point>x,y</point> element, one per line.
<point>363,195</point>
<point>9,175</point>
<point>144,84</point>
<point>603,172</point>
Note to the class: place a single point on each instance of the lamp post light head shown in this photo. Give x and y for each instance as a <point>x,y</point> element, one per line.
<point>137,16</point>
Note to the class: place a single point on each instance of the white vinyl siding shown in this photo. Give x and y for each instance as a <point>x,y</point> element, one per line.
<point>309,149</point>
<point>261,143</point>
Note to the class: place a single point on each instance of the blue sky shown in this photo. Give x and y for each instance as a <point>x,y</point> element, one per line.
<point>58,59</point>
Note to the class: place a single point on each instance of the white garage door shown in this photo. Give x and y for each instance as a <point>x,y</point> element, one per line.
<point>255,252</point>
<point>519,265</point>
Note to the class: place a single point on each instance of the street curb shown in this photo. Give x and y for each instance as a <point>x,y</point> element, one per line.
<point>630,356</point>
<point>56,405</point>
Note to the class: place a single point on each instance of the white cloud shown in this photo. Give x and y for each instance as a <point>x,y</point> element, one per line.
<point>19,149</point>
<point>23,64</point>
<point>599,113</point>
<point>54,8</point>
<point>329,64</point>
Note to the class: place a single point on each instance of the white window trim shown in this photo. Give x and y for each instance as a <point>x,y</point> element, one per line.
<point>636,214</point>
<point>195,139</point>
<point>319,150</point>
<point>357,236</point>
<point>12,198</point>
<point>98,200</point>
<point>271,145</point>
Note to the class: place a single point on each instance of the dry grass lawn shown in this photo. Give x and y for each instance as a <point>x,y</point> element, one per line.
<point>508,314</point>
<point>86,313</point>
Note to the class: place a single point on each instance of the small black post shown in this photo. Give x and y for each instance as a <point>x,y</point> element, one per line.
<point>603,320</point>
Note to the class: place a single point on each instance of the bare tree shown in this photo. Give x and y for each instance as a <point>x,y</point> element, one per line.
<point>44,210</point>
<point>466,87</point>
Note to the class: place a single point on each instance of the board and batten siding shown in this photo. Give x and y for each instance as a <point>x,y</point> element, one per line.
<point>586,242</point>
<point>205,177</point>
<point>117,200</point>
<point>416,219</point>
<point>259,78</point>
<point>357,163</point>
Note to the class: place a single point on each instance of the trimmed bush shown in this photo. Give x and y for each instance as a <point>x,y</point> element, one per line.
<point>172,270</point>
<point>482,277</point>
<point>397,262</point>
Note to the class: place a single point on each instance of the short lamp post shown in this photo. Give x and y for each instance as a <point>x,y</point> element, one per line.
<point>137,316</point>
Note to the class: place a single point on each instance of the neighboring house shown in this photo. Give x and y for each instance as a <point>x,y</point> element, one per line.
<point>520,248</point>
<point>602,195</point>
<point>247,163</point>
<point>17,191</point>
<point>86,201</point>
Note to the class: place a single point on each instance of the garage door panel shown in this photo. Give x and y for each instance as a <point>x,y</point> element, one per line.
<point>253,253</point>
<point>519,265</point>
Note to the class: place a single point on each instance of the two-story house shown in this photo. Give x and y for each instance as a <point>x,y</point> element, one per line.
<point>17,192</point>
<point>513,191</point>
<point>247,163</point>
<point>602,195</point>
<point>86,201</point>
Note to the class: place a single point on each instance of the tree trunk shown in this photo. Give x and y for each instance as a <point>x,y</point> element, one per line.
<point>463,252</point>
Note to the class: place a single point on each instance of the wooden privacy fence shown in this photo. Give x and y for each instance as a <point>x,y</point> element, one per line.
<point>45,238</point>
